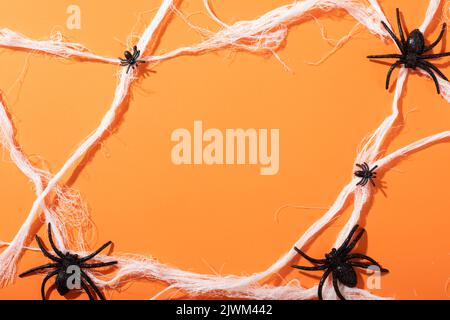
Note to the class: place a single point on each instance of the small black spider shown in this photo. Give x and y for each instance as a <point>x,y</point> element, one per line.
<point>131,59</point>
<point>412,52</point>
<point>366,174</point>
<point>62,263</point>
<point>339,264</point>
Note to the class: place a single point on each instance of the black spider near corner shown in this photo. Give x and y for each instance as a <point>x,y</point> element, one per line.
<point>412,52</point>
<point>62,261</point>
<point>131,59</point>
<point>339,263</point>
<point>366,174</point>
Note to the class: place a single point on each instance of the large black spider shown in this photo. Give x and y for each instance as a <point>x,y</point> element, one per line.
<point>131,59</point>
<point>412,52</point>
<point>62,261</point>
<point>366,174</point>
<point>339,264</point>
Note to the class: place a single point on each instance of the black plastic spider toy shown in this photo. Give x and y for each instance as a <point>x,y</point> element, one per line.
<point>412,52</point>
<point>339,264</point>
<point>61,265</point>
<point>131,59</point>
<point>366,174</point>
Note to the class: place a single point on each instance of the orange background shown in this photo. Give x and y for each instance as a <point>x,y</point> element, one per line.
<point>200,218</point>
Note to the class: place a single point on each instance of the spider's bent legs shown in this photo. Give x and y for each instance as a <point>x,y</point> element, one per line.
<point>45,252</point>
<point>433,76</point>
<point>92,255</point>
<point>336,288</point>
<point>322,281</point>
<point>362,183</point>
<point>361,265</point>
<point>435,43</point>
<point>432,66</point>
<point>388,78</point>
<point>98,265</point>
<point>304,255</point>
<point>47,277</point>
<point>434,56</point>
<point>86,289</point>
<point>397,41</point>
<point>349,237</point>
<point>355,240</point>
<point>400,28</point>
<point>385,56</point>
<point>50,239</point>
<point>93,285</point>
<point>45,266</point>
<point>309,268</point>
<point>363,256</point>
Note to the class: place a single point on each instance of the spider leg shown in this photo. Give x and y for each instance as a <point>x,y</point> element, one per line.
<point>366,166</point>
<point>310,268</point>
<point>388,78</point>
<point>336,288</point>
<point>434,56</point>
<point>363,256</point>
<point>360,166</point>
<point>432,66</point>
<point>47,277</point>
<point>374,168</point>
<point>92,284</point>
<point>373,182</point>
<point>92,255</point>
<point>45,266</point>
<point>394,37</point>
<point>322,281</point>
<point>304,255</point>
<point>433,76</point>
<point>435,43</point>
<point>86,288</point>
<point>45,252</point>
<point>50,239</point>
<point>385,56</point>
<point>362,183</point>
<point>400,28</point>
<point>98,265</point>
<point>128,70</point>
<point>354,241</point>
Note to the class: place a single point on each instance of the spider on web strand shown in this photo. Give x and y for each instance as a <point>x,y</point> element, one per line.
<point>131,59</point>
<point>366,174</point>
<point>340,264</point>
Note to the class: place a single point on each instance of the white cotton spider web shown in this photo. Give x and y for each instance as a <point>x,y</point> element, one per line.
<point>265,33</point>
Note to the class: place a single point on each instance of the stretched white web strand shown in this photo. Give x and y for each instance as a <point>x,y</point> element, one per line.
<point>240,286</point>
<point>268,32</point>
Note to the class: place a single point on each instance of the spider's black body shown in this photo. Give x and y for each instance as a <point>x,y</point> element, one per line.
<point>131,59</point>
<point>412,52</point>
<point>62,264</point>
<point>366,174</point>
<point>339,263</point>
